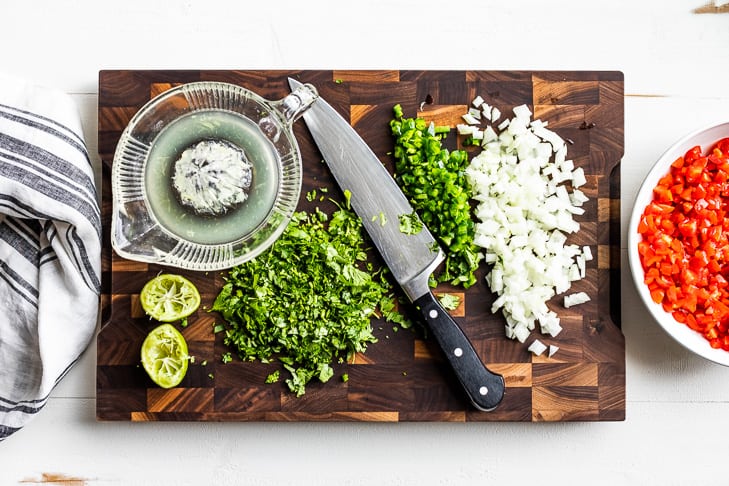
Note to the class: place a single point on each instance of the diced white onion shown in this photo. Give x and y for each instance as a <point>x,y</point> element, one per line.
<point>522,111</point>
<point>470,119</point>
<point>464,129</point>
<point>537,347</point>
<point>489,135</point>
<point>525,212</point>
<point>576,299</point>
<point>486,111</point>
<point>552,350</point>
<point>587,252</point>
<point>578,198</point>
<point>578,177</point>
<point>549,323</point>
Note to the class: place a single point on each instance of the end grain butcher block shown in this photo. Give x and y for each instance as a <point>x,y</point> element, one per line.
<point>403,376</point>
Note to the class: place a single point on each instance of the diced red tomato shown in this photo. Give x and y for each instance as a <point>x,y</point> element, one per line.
<point>685,246</point>
<point>722,145</point>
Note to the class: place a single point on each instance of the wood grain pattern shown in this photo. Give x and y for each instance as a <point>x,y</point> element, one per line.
<point>403,377</point>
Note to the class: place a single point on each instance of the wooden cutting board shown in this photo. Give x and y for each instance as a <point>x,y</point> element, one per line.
<point>403,376</point>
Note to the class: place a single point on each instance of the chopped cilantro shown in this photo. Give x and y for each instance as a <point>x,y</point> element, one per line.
<point>410,224</point>
<point>345,377</point>
<point>226,358</point>
<point>390,313</point>
<point>449,301</point>
<point>383,219</point>
<point>273,377</point>
<point>308,300</point>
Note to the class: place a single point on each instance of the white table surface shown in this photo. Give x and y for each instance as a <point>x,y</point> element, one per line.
<point>676,66</point>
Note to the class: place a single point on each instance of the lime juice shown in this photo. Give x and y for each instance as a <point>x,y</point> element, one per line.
<point>187,131</point>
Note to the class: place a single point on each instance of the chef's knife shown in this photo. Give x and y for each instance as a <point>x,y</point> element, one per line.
<point>379,203</point>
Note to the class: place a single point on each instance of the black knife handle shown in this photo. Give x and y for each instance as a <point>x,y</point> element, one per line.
<point>484,388</point>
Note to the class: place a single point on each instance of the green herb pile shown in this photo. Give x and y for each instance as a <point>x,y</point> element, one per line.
<point>308,300</point>
<point>432,178</point>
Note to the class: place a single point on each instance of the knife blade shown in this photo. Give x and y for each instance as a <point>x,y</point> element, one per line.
<point>376,198</point>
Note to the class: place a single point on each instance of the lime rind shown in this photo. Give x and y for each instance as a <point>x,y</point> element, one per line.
<point>169,298</point>
<point>165,356</point>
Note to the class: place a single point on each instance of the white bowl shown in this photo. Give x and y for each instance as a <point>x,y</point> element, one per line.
<point>686,336</point>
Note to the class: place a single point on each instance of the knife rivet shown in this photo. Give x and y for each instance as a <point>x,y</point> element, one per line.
<point>458,352</point>
<point>483,390</point>
<point>433,313</point>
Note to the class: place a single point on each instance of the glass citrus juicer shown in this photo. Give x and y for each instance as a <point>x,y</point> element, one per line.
<point>206,176</point>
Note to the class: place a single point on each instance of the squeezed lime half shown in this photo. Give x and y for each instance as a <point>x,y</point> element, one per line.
<point>169,297</point>
<point>164,356</point>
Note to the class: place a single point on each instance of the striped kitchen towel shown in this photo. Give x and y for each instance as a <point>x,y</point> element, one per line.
<point>50,247</point>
